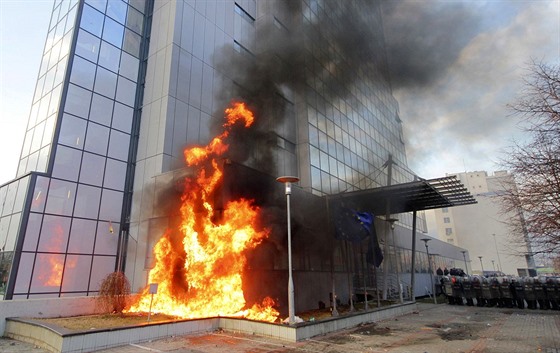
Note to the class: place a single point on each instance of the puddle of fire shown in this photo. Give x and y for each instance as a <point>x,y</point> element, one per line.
<point>201,276</point>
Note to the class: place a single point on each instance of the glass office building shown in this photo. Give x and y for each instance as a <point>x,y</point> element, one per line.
<point>125,85</point>
<point>63,213</point>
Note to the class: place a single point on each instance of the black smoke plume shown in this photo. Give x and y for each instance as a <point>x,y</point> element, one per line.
<point>424,38</point>
<point>334,43</point>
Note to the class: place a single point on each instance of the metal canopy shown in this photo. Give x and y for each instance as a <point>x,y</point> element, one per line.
<point>413,196</point>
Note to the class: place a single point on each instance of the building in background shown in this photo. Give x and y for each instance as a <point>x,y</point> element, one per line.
<point>482,228</point>
<point>123,88</point>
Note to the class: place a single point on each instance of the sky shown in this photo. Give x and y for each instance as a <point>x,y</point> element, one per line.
<point>455,66</point>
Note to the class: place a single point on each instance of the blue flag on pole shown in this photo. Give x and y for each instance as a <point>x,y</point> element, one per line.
<point>356,226</point>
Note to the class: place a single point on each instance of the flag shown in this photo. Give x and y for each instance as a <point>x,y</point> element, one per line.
<point>356,226</point>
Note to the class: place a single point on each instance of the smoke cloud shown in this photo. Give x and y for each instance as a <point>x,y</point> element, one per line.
<point>293,52</point>
<point>455,65</point>
<point>423,39</point>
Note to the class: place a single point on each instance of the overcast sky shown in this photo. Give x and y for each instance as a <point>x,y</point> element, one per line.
<point>455,64</point>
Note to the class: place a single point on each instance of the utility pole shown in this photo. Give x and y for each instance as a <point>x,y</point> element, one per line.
<point>389,165</point>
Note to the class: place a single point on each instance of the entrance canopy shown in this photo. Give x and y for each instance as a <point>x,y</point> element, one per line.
<point>407,197</point>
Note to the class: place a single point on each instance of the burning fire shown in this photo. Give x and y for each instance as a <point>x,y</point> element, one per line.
<point>201,275</point>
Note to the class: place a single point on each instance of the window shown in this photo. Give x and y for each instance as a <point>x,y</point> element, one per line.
<point>101,110</point>
<point>73,131</point>
<point>97,139</point>
<point>244,14</point>
<point>109,57</point>
<point>87,46</point>
<point>61,197</point>
<point>92,21</point>
<point>241,49</point>
<point>67,163</point>
<point>113,33</point>
<point>446,220</point>
<point>445,210</point>
<point>77,101</point>
<point>448,231</point>
<point>92,170</point>
<point>105,83</point>
<point>87,201</point>
<point>82,236</point>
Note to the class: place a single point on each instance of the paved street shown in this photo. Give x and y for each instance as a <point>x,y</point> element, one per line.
<point>434,328</point>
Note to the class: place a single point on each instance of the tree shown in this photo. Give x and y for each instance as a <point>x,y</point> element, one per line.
<point>532,197</point>
<point>114,291</point>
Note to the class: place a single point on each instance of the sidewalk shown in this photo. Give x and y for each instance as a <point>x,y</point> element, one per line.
<point>434,328</point>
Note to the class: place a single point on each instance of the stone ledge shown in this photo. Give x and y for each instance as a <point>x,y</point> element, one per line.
<point>59,340</point>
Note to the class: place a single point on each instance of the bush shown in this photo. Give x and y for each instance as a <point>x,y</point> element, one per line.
<point>114,292</point>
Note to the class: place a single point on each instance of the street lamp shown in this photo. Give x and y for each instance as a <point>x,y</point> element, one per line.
<point>465,259</point>
<point>481,266</point>
<point>287,181</point>
<point>494,267</point>
<point>497,253</point>
<point>426,240</point>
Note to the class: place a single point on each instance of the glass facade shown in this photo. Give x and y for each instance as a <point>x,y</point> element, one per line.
<point>77,145</point>
<point>110,119</point>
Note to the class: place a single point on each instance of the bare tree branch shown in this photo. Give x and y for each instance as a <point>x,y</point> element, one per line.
<point>532,199</point>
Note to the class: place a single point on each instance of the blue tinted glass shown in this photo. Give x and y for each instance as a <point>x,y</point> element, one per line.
<point>113,33</point>
<point>83,73</point>
<point>92,20</point>
<point>109,57</point>
<point>105,83</point>
<point>116,9</point>
<point>77,101</point>
<point>88,46</point>
<point>98,4</point>
<point>101,110</point>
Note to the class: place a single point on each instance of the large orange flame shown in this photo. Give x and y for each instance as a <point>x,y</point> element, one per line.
<point>202,277</point>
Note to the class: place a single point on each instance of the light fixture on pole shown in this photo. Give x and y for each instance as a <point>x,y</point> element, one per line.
<point>497,253</point>
<point>287,181</point>
<point>465,259</point>
<point>481,266</point>
<point>426,240</point>
<point>493,266</point>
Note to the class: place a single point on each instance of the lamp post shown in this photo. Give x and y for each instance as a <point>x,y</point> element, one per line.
<point>497,253</point>
<point>465,259</point>
<point>481,266</point>
<point>287,181</point>
<point>426,240</point>
<point>494,267</point>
